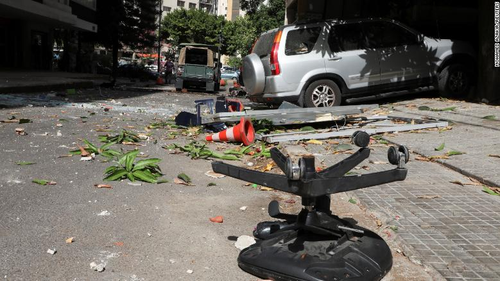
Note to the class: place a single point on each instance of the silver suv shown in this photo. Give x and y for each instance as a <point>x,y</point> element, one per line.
<point>320,64</point>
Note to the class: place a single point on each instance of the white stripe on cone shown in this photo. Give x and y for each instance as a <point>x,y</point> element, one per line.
<point>216,137</point>
<point>230,134</point>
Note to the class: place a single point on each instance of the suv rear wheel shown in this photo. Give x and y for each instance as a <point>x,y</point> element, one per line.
<point>322,93</point>
<point>454,81</point>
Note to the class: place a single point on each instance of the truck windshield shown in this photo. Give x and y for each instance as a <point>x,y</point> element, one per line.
<point>196,56</point>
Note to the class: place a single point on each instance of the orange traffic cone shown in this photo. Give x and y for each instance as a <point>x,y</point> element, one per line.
<point>222,82</point>
<point>243,132</point>
<point>159,80</point>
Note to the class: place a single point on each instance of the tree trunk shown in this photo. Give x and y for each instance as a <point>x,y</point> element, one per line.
<point>488,75</point>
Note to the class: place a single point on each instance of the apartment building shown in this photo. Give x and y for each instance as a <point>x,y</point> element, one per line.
<point>27,29</point>
<point>230,9</point>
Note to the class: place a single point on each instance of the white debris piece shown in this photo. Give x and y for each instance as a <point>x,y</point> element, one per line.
<point>244,241</point>
<point>97,267</point>
<point>244,208</point>
<point>51,251</point>
<point>172,261</point>
<point>104,213</point>
<point>190,271</point>
<point>59,134</point>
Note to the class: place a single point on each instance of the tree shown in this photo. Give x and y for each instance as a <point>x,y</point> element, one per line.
<point>268,16</point>
<point>250,6</point>
<point>192,26</point>
<point>126,22</point>
<point>239,36</point>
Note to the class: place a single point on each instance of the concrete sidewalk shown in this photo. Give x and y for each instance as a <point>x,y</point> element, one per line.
<point>38,81</point>
<point>441,216</point>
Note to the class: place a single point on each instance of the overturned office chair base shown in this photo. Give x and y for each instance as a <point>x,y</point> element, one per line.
<point>315,244</point>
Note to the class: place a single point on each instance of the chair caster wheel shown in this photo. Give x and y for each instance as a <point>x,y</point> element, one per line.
<point>361,139</point>
<point>394,155</point>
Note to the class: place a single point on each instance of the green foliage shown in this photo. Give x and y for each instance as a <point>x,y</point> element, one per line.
<point>235,62</point>
<point>192,26</point>
<point>198,150</point>
<point>239,35</point>
<point>104,150</point>
<point>268,16</point>
<point>124,136</point>
<point>439,148</point>
<point>127,22</point>
<point>145,170</point>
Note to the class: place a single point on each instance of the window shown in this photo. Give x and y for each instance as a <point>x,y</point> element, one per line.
<point>301,41</point>
<point>346,37</point>
<point>180,3</point>
<point>167,9</point>
<point>192,5</point>
<point>386,35</point>
<point>264,45</point>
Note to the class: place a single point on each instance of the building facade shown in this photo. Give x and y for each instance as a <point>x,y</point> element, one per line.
<point>27,29</point>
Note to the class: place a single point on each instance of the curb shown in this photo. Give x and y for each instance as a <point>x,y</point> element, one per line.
<point>47,87</point>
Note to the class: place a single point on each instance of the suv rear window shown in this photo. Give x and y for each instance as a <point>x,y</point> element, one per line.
<point>301,41</point>
<point>264,45</point>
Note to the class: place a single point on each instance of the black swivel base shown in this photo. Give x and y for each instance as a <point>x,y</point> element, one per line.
<point>315,244</point>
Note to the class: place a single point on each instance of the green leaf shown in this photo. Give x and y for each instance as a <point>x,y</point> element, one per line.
<point>24,121</point>
<point>184,177</point>
<point>394,228</point>
<point>75,152</point>
<point>343,147</point>
<point>129,160</point>
<point>307,129</point>
<point>107,145</point>
<point>40,182</point>
<point>90,145</point>
<point>130,176</point>
<point>144,176</point>
<point>452,108</point>
<point>352,201</point>
<point>454,152</point>
<point>439,148</point>
<point>490,117</point>
<point>24,163</point>
<point>424,108</point>
<point>145,163</point>
<point>118,174</point>
<point>224,157</point>
<point>489,191</point>
<point>111,169</point>
<point>211,184</point>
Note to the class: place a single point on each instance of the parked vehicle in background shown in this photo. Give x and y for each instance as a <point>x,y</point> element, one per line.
<point>136,71</point>
<point>198,67</point>
<point>230,74</point>
<point>318,64</point>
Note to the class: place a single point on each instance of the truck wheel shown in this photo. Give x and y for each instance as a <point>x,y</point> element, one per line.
<point>322,93</point>
<point>454,81</point>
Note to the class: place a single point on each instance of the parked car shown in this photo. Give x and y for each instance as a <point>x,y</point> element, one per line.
<point>320,64</point>
<point>197,67</point>
<point>136,71</point>
<point>230,74</point>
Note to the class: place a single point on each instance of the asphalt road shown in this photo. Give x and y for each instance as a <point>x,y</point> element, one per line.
<point>145,232</point>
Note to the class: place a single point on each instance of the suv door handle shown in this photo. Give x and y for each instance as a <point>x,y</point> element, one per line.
<point>335,59</point>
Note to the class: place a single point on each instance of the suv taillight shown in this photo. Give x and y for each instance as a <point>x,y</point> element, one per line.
<point>275,66</point>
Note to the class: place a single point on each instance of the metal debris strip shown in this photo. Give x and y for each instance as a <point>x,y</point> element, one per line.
<point>291,115</point>
<point>372,125</point>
